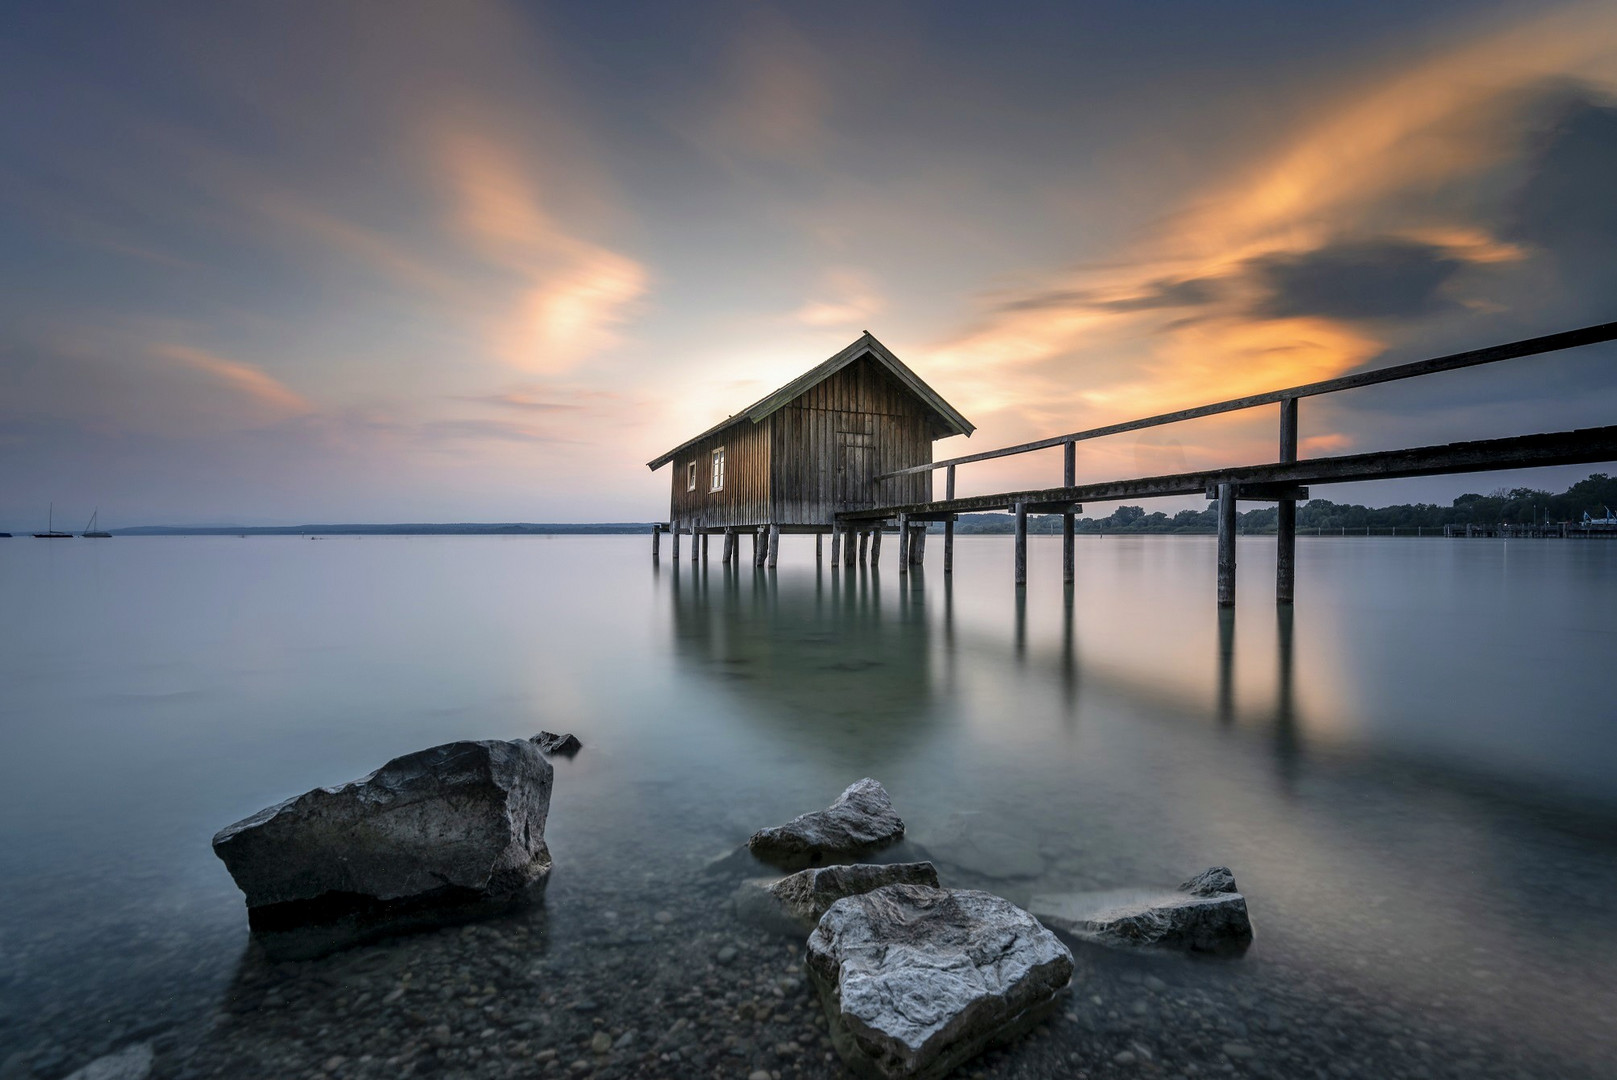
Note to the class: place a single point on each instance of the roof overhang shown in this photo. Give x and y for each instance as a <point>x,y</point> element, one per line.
<point>950,421</point>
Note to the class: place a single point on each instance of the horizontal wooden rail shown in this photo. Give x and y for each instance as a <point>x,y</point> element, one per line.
<point>1580,447</point>
<point>1588,335</point>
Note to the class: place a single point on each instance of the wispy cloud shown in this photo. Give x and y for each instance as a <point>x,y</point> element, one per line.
<point>244,378</point>
<point>848,298</point>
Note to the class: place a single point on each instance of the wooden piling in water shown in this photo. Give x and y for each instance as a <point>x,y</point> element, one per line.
<point>673,528</point>
<point>819,547</point>
<point>1286,516</point>
<point>1226,545</point>
<point>1021,545</point>
<point>774,545</point>
<point>918,545</point>
<point>848,546</point>
<point>1069,478</point>
<point>903,544</point>
<point>864,546</point>
<point>948,523</point>
<point>656,542</point>
<point>875,545</point>
<point>836,544</point>
<point>704,549</point>
<point>760,545</point>
<point>696,543</point>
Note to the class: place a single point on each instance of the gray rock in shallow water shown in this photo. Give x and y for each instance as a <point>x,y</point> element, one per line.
<point>130,1063</point>
<point>550,743</point>
<point>862,820</point>
<point>917,980</point>
<point>794,904</point>
<point>452,832</point>
<point>1205,914</point>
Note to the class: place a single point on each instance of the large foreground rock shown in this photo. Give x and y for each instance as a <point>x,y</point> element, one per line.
<point>861,821</point>
<point>448,833</point>
<point>917,980</point>
<point>1205,914</point>
<point>794,904</point>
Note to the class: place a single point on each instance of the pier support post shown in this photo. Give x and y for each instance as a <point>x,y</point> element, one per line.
<point>848,545</point>
<point>948,523</point>
<point>875,545</point>
<point>1226,545</point>
<point>774,545</point>
<point>918,545</point>
<point>673,529</point>
<point>760,545</point>
<point>836,543</point>
<point>903,544</point>
<point>656,542</point>
<point>1021,545</point>
<point>704,549</point>
<point>1286,516</point>
<point>1069,472</point>
<point>819,547</point>
<point>696,543</point>
<point>729,551</point>
<point>864,545</point>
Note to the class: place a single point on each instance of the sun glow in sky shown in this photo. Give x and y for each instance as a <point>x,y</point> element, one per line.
<point>481,261</point>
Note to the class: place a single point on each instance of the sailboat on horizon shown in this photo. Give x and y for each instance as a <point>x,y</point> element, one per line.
<point>91,532</point>
<point>50,532</point>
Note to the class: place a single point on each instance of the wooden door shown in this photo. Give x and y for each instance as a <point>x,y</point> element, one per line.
<point>856,456</point>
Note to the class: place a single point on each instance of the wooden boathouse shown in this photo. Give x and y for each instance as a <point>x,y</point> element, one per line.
<point>794,460</point>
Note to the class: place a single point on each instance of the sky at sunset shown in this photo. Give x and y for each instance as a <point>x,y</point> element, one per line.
<point>314,262</point>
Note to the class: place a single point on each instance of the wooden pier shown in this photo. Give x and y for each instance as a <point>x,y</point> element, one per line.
<point>1283,481</point>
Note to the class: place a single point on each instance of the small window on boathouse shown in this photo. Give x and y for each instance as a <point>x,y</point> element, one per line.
<point>690,477</point>
<point>718,470</point>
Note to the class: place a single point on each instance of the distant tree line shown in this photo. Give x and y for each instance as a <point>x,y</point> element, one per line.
<point>1513,506</point>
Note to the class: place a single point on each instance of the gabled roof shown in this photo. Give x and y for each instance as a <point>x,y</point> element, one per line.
<point>867,345</point>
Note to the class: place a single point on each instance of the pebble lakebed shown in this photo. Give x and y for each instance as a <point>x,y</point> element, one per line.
<point>652,975</point>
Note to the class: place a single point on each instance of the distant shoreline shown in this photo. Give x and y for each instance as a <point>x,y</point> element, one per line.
<point>519,528</point>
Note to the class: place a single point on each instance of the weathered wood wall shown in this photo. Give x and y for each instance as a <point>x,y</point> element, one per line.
<point>744,499</point>
<point>831,441</point>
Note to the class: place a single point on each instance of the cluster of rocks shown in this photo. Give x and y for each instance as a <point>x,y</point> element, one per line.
<point>914,979</point>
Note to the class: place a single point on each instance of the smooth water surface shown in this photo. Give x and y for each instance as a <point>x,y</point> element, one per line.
<point>1411,775</point>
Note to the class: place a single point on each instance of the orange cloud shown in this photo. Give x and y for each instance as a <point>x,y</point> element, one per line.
<point>850,299</point>
<point>572,296</point>
<point>244,378</point>
<point>1189,313</point>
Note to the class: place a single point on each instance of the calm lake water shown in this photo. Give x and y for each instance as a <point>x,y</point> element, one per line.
<point>1411,775</point>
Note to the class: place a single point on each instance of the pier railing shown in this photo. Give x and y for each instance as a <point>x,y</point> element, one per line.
<point>1271,482</point>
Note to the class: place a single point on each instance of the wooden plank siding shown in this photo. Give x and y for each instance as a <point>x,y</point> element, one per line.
<point>744,499</point>
<point>830,442</point>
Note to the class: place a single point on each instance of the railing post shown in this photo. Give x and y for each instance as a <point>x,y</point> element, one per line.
<point>1069,473</point>
<point>1226,545</point>
<point>948,523</point>
<point>1286,515</point>
<point>903,544</point>
<point>1021,545</point>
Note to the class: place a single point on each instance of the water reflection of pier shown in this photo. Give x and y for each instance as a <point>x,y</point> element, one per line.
<point>844,651</point>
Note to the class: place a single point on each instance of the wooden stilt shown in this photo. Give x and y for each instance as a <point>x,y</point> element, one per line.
<point>1286,517</point>
<point>918,545</point>
<point>1226,545</point>
<point>696,543</point>
<point>704,549</point>
<point>836,543</point>
<point>1069,470</point>
<point>864,546</point>
<point>774,545</point>
<point>656,542</point>
<point>673,527</point>
<point>1021,544</point>
<point>760,545</point>
<point>875,546</point>
<point>848,546</point>
<point>903,544</point>
<point>819,546</point>
<point>948,523</point>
